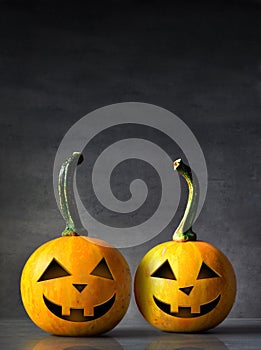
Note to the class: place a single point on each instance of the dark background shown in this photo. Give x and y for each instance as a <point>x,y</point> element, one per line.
<point>200,60</point>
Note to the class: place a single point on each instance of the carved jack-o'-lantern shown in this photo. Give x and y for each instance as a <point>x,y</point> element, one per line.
<point>185,285</point>
<point>75,285</point>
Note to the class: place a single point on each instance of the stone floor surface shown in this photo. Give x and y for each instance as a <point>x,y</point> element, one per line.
<point>232,334</point>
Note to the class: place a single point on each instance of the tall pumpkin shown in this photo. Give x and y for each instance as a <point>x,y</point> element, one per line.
<point>75,285</point>
<point>185,285</point>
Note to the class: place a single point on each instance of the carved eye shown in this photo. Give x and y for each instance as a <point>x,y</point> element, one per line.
<point>53,270</point>
<point>102,270</point>
<point>206,272</point>
<point>164,271</point>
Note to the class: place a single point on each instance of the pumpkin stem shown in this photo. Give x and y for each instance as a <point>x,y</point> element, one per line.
<point>184,231</point>
<point>66,194</point>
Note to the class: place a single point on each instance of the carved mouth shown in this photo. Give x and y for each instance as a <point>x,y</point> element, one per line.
<point>77,315</point>
<point>185,312</point>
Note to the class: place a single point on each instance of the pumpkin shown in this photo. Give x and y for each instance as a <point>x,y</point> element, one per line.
<point>185,285</point>
<point>75,285</point>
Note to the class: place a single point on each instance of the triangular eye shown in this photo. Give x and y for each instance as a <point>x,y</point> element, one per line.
<point>206,272</point>
<point>53,270</point>
<point>102,270</point>
<point>164,271</point>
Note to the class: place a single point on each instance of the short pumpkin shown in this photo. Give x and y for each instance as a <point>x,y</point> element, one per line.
<point>75,285</point>
<point>185,285</point>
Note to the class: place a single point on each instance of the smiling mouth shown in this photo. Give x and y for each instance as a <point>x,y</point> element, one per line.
<point>185,312</point>
<point>77,315</point>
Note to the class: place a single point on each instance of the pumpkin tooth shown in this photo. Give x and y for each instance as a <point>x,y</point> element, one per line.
<point>66,311</point>
<point>195,309</point>
<point>174,308</point>
<point>88,311</point>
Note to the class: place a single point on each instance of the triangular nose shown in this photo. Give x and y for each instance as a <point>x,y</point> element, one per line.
<point>79,287</point>
<point>186,290</point>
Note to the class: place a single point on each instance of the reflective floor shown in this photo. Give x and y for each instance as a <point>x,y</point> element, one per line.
<point>230,335</point>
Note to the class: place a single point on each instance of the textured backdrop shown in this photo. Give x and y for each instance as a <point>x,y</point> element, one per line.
<point>201,61</point>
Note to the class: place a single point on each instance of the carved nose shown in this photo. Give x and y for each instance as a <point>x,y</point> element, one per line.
<point>186,290</point>
<point>79,287</point>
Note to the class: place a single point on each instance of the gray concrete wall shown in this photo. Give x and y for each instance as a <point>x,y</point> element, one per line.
<point>201,61</point>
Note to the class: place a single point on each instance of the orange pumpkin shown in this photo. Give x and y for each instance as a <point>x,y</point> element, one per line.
<point>75,285</point>
<point>185,285</point>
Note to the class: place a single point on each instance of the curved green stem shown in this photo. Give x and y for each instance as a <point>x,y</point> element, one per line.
<point>184,231</point>
<point>66,194</point>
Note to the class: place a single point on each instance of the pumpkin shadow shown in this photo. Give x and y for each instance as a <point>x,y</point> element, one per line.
<point>134,333</point>
<point>76,343</point>
<point>176,341</point>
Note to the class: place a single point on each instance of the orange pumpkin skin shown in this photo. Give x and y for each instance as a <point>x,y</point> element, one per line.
<point>163,301</point>
<point>78,256</point>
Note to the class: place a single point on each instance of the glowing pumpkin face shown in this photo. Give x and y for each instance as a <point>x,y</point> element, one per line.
<point>184,287</point>
<point>76,285</point>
